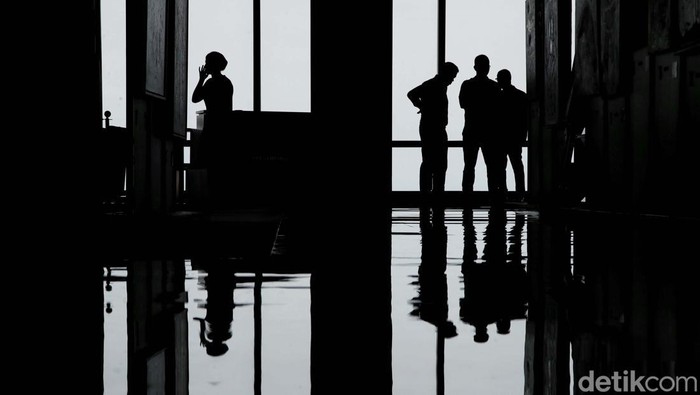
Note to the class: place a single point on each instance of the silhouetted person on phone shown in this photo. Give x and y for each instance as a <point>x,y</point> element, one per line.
<point>430,98</point>
<point>478,97</point>
<point>431,304</point>
<point>512,116</point>
<point>217,93</point>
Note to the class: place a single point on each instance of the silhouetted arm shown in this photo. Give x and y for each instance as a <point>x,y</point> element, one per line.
<point>198,93</point>
<point>415,95</point>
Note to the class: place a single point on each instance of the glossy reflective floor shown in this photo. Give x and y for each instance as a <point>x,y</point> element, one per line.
<point>483,301</point>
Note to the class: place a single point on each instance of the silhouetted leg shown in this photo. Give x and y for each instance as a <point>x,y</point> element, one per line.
<point>496,161</point>
<point>471,152</point>
<point>425,181</point>
<point>440,170</point>
<point>516,160</point>
<point>424,177</point>
<point>427,167</point>
<point>469,253</point>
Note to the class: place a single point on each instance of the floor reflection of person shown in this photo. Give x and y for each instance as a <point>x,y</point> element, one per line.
<point>215,327</point>
<point>480,306</point>
<point>431,303</point>
<point>495,288</point>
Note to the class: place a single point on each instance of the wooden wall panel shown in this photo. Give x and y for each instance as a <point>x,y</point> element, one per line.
<point>661,26</point>
<point>610,44</point>
<point>688,15</point>
<point>557,58</point>
<point>639,124</point>
<point>179,67</point>
<point>586,60</point>
<point>534,41</point>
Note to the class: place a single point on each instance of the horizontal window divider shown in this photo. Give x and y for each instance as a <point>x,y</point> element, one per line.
<point>417,144</point>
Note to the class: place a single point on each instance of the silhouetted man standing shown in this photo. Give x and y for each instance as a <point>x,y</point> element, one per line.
<point>478,97</point>
<point>431,99</point>
<point>513,122</point>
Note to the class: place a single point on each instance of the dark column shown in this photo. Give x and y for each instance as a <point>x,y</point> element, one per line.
<point>534,65</point>
<point>640,118</point>
<point>53,191</point>
<point>256,57</point>
<point>156,39</point>
<point>345,219</point>
<point>556,88</point>
<point>547,337</point>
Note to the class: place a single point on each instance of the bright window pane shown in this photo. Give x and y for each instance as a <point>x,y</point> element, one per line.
<point>414,59</point>
<point>406,168</point>
<point>114,60</point>
<point>225,26</point>
<point>495,28</point>
<point>285,55</point>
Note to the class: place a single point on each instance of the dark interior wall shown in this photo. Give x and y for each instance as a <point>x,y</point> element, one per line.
<point>55,104</point>
<point>633,86</point>
<point>534,61</point>
<point>548,69</point>
<point>157,98</point>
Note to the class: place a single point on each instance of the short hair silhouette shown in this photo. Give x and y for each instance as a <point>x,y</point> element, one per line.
<point>448,68</point>
<point>503,76</point>
<point>216,61</point>
<point>503,326</point>
<point>481,335</point>
<point>482,64</point>
<point>216,349</point>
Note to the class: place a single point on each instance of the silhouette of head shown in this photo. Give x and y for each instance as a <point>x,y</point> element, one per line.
<point>215,61</point>
<point>481,335</point>
<point>503,326</point>
<point>214,343</point>
<point>448,71</point>
<point>503,77</point>
<point>448,329</point>
<point>482,65</point>
<point>216,349</point>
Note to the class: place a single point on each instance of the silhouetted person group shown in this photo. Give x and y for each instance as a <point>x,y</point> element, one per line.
<point>495,122</point>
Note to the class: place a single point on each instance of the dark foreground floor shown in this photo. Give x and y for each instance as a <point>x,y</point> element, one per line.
<point>487,301</point>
